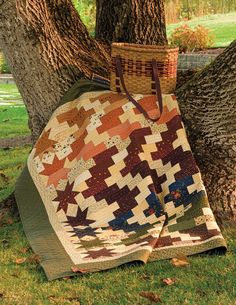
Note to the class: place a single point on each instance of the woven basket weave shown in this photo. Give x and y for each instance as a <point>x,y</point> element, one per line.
<point>136,65</point>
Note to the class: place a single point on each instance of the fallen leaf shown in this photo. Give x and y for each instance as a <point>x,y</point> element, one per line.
<point>59,300</point>
<point>168,281</point>
<point>51,296</point>
<point>20,261</point>
<point>180,261</point>
<point>24,250</point>
<point>77,299</point>
<point>5,218</point>
<point>150,296</point>
<point>9,221</point>
<point>34,259</point>
<point>76,269</point>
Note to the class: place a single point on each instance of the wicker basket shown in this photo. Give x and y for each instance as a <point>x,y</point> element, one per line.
<point>136,65</point>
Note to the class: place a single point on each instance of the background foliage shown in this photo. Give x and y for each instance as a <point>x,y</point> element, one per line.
<point>87,11</point>
<point>176,10</point>
<point>189,39</point>
<point>4,68</point>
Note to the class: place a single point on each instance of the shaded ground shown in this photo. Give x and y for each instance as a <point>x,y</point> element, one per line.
<point>12,161</point>
<point>208,280</point>
<point>15,142</point>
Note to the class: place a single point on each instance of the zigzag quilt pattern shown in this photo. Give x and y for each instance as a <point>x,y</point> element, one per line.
<point>117,187</point>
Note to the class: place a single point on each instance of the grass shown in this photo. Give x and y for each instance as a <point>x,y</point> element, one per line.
<point>222,26</point>
<point>9,92</point>
<point>13,121</point>
<point>208,280</point>
<point>11,164</point>
<point>13,114</point>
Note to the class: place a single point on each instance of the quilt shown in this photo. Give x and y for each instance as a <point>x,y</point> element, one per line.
<point>104,186</point>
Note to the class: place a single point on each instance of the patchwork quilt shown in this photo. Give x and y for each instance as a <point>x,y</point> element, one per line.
<point>104,186</point>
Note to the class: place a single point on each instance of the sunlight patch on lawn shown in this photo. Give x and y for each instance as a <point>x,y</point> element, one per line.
<point>222,26</point>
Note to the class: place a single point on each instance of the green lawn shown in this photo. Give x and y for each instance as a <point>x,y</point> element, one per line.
<point>222,26</point>
<point>10,93</point>
<point>208,280</point>
<point>11,164</point>
<point>13,121</point>
<point>13,114</point>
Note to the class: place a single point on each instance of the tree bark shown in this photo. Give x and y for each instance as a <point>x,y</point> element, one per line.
<point>208,105</point>
<point>48,48</point>
<point>134,21</point>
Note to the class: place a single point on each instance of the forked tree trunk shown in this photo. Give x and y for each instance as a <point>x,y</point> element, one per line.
<point>48,48</point>
<point>208,104</point>
<point>134,21</point>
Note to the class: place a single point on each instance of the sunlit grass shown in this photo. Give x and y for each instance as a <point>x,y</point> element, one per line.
<point>208,280</point>
<point>13,121</point>
<point>222,26</point>
<point>9,92</point>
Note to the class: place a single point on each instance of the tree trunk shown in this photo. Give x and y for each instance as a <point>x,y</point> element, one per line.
<point>48,48</point>
<point>134,21</point>
<point>208,104</point>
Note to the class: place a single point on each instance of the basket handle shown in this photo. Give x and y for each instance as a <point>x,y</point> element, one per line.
<point>157,85</point>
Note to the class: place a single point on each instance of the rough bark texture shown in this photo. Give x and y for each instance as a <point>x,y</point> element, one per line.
<point>208,104</point>
<point>48,48</point>
<point>134,21</point>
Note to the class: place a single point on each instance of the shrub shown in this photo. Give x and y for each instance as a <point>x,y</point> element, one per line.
<point>188,39</point>
<point>4,68</point>
<point>3,65</point>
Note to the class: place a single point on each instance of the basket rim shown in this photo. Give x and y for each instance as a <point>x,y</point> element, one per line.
<point>142,48</point>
